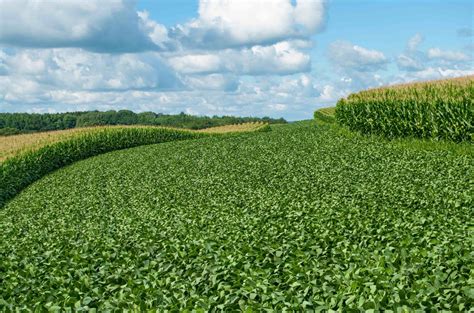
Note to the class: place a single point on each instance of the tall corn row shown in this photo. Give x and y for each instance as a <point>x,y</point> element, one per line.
<point>439,110</point>
<point>18,172</point>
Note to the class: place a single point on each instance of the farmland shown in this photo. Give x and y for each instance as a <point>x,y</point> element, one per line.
<point>11,146</point>
<point>306,216</point>
<point>30,157</point>
<point>326,115</point>
<point>440,110</point>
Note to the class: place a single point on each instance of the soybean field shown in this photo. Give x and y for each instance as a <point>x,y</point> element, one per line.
<point>304,217</point>
<point>28,157</point>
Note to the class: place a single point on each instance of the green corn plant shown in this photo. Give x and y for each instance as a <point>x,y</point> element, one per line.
<point>441,110</point>
<point>20,171</point>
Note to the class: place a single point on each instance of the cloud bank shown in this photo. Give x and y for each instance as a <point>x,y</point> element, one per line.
<point>278,59</point>
<point>348,56</point>
<point>112,26</point>
<point>225,24</point>
<point>108,55</point>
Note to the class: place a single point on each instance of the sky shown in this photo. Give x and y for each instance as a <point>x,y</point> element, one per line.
<point>278,58</point>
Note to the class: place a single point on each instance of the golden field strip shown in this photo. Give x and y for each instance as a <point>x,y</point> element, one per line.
<point>13,145</point>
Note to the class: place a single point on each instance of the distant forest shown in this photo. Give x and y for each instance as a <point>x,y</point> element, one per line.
<point>18,123</point>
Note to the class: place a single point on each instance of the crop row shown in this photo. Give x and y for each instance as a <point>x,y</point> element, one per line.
<point>29,157</point>
<point>18,172</point>
<point>325,114</point>
<point>439,110</point>
<point>302,218</point>
<point>11,146</point>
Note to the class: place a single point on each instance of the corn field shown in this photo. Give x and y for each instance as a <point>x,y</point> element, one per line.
<point>26,158</point>
<point>442,110</point>
<point>325,115</point>
<point>18,172</point>
<point>12,146</point>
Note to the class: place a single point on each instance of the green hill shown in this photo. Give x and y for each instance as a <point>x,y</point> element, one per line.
<point>28,157</point>
<point>305,217</point>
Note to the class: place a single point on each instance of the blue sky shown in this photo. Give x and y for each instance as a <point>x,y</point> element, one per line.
<point>226,57</point>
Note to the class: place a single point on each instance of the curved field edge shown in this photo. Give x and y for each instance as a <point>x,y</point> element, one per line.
<point>18,172</point>
<point>326,115</point>
<point>441,110</point>
<point>61,149</point>
<point>300,218</point>
<point>410,143</point>
<point>11,146</point>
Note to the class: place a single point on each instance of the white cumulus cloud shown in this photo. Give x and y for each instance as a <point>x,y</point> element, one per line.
<point>220,82</point>
<point>412,59</point>
<point>102,26</point>
<point>348,56</point>
<point>231,23</point>
<point>409,62</point>
<point>414,42</point>
<point>447,55</point>
<point>74,69</point>
<point>277,59</point>
<point>431,73</point>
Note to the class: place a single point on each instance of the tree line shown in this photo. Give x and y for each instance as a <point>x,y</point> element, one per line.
<point>18,123</point>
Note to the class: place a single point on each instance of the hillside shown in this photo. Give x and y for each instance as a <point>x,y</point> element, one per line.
<point>11,146</point>
<point>28,157</point>
<point>438,110</point>
<point>306,216</point>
